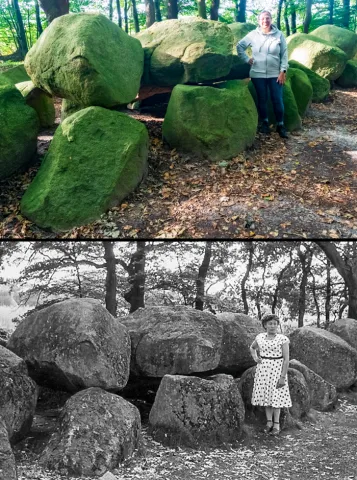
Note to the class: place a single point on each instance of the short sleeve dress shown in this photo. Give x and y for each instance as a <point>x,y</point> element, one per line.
<point>268,373</point>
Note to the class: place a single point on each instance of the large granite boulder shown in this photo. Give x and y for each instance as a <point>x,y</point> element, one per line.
<point>98,430</point>
<point>74,344</point>
<point>18,397</point>
<point>323,394</point>
<point>8,469</point>
<point>19,126</point>
<point>342,38</point>
<point>239,69</point>
<point>173,340</point>
<point>320,85</point>
<point>302,89</point>
<point>187,50</point>
<point>217,123</point>
<point>345,328</point>
<point>193,411</point>
<point>87,58</point>
<point>16,74</point>
<point>239,332</point>
<point>348,79</point>
<point>40,101</point>
<point>326,354</point>
<point>317,54</point>
<point>96,158</point>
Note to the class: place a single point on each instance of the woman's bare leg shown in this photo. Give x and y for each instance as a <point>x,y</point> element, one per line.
<point>276,417</point>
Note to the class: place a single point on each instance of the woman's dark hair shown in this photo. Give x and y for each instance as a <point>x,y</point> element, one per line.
<point>268,317</point>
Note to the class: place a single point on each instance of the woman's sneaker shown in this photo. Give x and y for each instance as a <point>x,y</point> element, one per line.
<point>282,131</point>
<point>264,128</point>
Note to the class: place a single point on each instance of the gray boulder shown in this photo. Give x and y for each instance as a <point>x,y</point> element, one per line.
<point>18,396</point>
<point>326,354</point>
<point>8,469</point>
<point>323,394</point>
<point>193,411</point>
<point>346,328</point>
<point>72,345</point>
<point>97,431</point>
<point>342,38</point>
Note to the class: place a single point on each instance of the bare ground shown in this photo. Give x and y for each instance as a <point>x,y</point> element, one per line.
<point>305,187</point>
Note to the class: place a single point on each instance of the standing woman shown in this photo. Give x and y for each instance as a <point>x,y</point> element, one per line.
<point>271,388</point>
<point>268,69</point>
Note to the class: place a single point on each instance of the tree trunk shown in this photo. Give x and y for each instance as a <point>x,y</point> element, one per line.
<point>136,269</point>
<point>111,10</point>
<point>172,9</point>
<point>286,20</point>
<point>54,8</point>
<point>250,248</point>
<point>305,260</point>
<point>214,10</point>
<point>278,283</point>
<point>201,4</point>
<point>120,22</point>
<point>150,12</point>
<point>318,313</point>
<point>328,293</point>
<point>111,278</point>
<point>126,22</point>
<point>278,15</point>
<point>38,19</point>
<point>293,16</point>
<point>346,13</point>
<point>135,17</point>
<point>331,5</point>
<point>241,11</point>
<point>21,35</point>
<point>308,16</point>
<point>201,279</point>
<point>157,11</point>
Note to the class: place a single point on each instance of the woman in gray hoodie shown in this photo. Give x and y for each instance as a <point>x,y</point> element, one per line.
<point>269,64</point>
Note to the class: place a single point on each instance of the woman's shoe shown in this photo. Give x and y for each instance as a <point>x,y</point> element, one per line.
<point>275,431</point>
<point>282,131</point>
<point>269,427</point>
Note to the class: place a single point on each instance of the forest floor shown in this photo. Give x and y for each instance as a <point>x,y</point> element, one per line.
<point>324,448</point>
<point>303,187</point>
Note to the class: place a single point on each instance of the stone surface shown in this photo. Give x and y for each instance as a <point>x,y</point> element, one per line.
<point>88,59</point>
<point>96,158</point>
<point>74,344</point>
<point>193,411</point>
<point>342,38</point>
<point>239,68</point>
<point>16,74</point>
<point>346,328</point>
<point>302,89</point>
<point>97,431</point>
<point>19,126</point>
<point>8,469</point>
<point>348,78</point>
<point>18,395</point>
<point>317,54</point>
<point>40,101</point>
<point>326,354</point>
<point>320,85</point>
<point>173,340</point>
<point>187,50</point>
<point>323,394</point>
<point>217,123</point>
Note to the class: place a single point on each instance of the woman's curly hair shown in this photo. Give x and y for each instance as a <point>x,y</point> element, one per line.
<point>268,317</point>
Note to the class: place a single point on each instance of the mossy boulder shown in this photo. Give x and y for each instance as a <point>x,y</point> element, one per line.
<point>349,75</point>
<point>16,74</point>
<point>320,85</point>
<point>97,157</point>
<point>292,119</point>
<point>188,50</point>
<point>87,59</point>
<point>302,89</point>
<point>317,54</point>
<point>339,37</point>
<point>19,126</point>
<point>239,68</point>
<point>68,108</point>
<point>217,123</point>
<point>40,101</point>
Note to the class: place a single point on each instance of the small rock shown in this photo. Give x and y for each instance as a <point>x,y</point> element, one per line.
<point>108,476</point>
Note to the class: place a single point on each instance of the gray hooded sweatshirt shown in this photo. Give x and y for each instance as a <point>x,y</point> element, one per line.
<point>270,52</point>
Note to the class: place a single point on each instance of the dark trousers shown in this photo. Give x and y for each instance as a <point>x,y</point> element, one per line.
<point>276,94</point>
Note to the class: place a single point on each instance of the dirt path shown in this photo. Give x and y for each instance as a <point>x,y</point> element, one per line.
<point>325,448</point>
<point>305,187</point>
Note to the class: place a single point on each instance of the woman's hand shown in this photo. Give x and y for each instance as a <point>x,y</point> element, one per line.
<point>281,382</point>
<point>251,61</point>
<point>258,359</point>
<point>281,78</point>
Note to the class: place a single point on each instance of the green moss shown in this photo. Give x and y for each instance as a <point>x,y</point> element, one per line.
<point>239,68</point>
<point>342,38</point>
<point>320,85</point>
<point>349,75</point>
<point>39,101</point>
<point>302,89</point>
<point>15,74</point>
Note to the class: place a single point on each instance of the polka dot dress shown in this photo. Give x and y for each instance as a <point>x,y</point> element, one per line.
<point>268,373</point>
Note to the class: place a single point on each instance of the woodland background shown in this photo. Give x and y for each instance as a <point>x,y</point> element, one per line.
<point>303,282</point>
<point>22,21</point>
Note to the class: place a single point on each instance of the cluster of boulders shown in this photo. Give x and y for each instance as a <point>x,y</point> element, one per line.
<point>99,154</point>
<point>200,360</point>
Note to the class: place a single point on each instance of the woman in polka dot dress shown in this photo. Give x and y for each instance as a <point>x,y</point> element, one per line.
<point>271,352</point>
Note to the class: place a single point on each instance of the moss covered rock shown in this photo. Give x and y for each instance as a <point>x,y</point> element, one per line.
<point>349,75</point>
<point>188,50</point>
<point>320,85</point>
<point>16,74</point>
<point>40,101</point>
<point>317,54</point>
<point>97,157</point>
<point>217,123</point>
<point>339,37</point>
<point>239,68</point>
<point>302,89</point>
<point>87,59</point>
<point>19,126</point>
